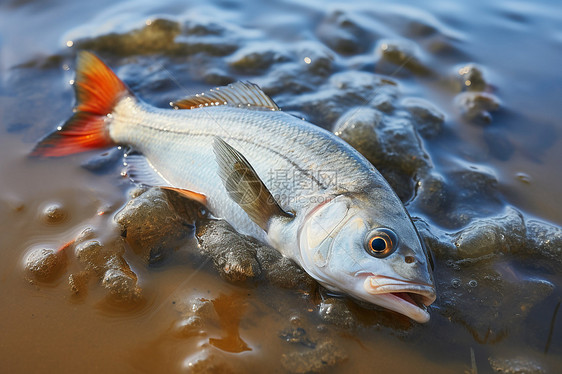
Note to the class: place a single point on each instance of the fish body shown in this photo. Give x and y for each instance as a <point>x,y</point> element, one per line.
<point>299,162</point>
<point>269,174</point>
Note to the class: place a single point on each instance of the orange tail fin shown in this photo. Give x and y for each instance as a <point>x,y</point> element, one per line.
<point>98,90</point>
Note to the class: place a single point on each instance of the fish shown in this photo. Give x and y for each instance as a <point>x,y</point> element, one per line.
<point>271,175</point>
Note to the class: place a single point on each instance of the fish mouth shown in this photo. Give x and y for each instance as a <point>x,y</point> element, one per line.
<point>405,297</point>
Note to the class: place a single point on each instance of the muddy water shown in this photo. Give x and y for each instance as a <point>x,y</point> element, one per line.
<point>501,308</point>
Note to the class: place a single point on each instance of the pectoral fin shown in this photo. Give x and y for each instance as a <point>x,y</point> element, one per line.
<point>244,186</point>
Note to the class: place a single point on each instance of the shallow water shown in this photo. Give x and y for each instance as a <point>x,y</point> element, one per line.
<point>518,47</point>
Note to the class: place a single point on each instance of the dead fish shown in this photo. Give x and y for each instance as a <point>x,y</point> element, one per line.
<point>269,174</point>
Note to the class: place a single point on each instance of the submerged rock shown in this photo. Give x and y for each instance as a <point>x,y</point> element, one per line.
<point>546,240</point>
<point>401,54</point>
<point>54,213</point>
<point>106,263</point>
<point>341,32</point>
<point>335,311</point>
<point>505,233</point>
<point>323,356</point>
<point>469,77</point>
<point>257,57</point>
<point>297,335</point>
<point>78,283</point>
<point>477,106</point>
<point>44,265</point>
<point>121,283</point>
<point>427,119</point>
<point>157,36</point>
<point>490,297</point>
<point>344,91</point>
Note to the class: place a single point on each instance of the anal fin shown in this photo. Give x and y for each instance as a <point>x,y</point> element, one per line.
<point>141,171</point>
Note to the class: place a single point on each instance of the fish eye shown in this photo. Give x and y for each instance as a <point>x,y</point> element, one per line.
<point>381,242</point>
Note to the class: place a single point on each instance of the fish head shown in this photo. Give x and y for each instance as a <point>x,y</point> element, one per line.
<point>370,250</point>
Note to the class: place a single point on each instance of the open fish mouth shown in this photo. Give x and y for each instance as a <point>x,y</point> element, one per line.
<point>405,297</point>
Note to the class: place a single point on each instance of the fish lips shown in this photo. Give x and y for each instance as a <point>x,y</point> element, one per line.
<point>405,297</point>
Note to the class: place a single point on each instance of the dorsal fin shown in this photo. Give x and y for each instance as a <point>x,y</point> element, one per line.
<point>238,94</point>
<point>245,187</point>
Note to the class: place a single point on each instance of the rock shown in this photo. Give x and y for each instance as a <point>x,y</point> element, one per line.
<point>92,256</point>
<point>286,78</point>
<point>516,365</point>
<point>202,28</point>
<point>318,59</point>
<point>151,225</point>
<point>188,327</point>
<point>233,256</point>
<point>476,106</point>
<point>400,54</point>
<point>324,355</point>
<point>546,240</point>
<point>297,335</point>
<point>428,120</point>
<point>86,234</point>
<point>437,242</point>
<point>238,257</point>
<point>209,45</point>
<point>389,143</point>
<point>44,265</point>
<point>469,77</point>
<point>105,262</point>
<point>336,312</point>
<point>121,284</point>
<point>283,272</point>
<point>78,283</point>
<point>342,33</point>
<point>489,296</point>
<point>198,307</point>
<point>257,57</point>
<point>343,92</point>
<point>473,192</point>
<point>432,195</point>
<point>54,213</point>
<point>157,36</point>
<point>505,233</point>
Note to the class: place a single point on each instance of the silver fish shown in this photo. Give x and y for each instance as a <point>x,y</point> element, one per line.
<point>269,174</point>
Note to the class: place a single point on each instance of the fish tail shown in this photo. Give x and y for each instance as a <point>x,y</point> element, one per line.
<point>98,90</point>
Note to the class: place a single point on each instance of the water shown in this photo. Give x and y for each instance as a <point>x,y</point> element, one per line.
<point>517,45</point>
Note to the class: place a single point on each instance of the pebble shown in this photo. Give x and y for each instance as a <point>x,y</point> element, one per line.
<point>54,213</point>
